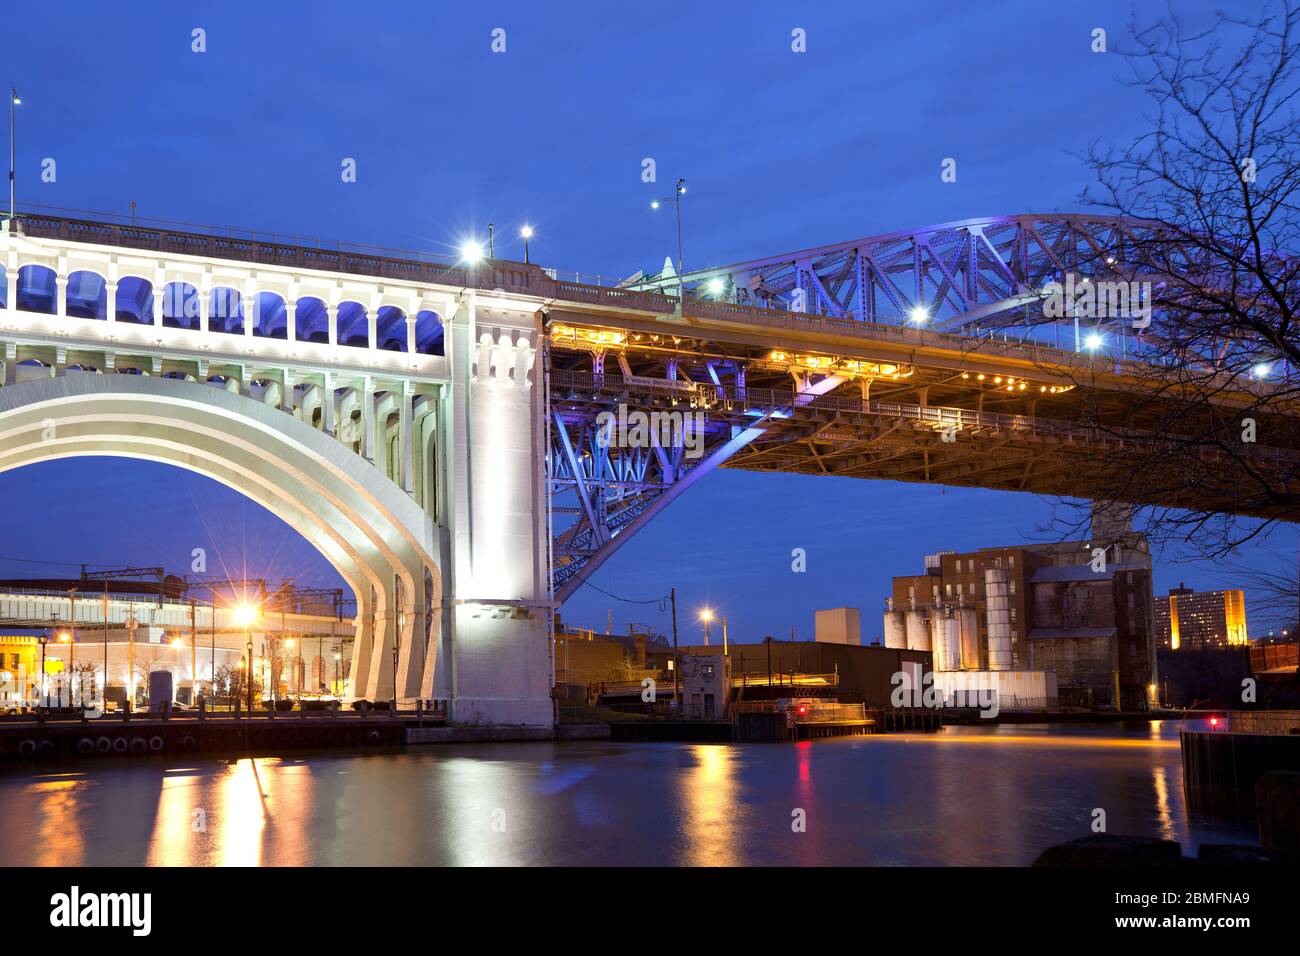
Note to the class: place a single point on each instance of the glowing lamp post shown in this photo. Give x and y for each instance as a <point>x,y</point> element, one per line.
<point>14,102</point>
<point>471,252</point>
<point>245,617</point>
<point>676,200</point>
<point>706,616</point>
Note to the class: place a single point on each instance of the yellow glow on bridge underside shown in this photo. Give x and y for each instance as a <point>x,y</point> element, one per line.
<point>837,365</point>
<point>1011,383</point>
<point>590,338</point>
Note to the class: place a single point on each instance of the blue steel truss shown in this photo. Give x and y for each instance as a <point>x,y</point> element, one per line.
<point>974,275</point>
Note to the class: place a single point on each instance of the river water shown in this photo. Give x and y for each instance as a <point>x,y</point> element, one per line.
<point>967,795</point>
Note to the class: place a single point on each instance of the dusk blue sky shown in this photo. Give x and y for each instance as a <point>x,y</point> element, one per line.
<point>781,151</point>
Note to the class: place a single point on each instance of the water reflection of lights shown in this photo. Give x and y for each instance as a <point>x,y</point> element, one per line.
<point>58,807</point>
<point>239,816</point>
<point>486,815</point>
<point>1019,740</point>
<point>1164,812</point>
<point>709,804</point>
<point>176,829</point>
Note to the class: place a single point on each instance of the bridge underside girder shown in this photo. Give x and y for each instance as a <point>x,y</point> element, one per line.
<point>852,406</point>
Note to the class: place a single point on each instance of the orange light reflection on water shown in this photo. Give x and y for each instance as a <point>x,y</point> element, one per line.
<point>709,791</point>
<point>57,804</point>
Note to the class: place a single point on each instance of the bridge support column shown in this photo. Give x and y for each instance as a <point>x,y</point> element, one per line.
<point>205,309</point>
<point>327,406</point>
<point>405,450</point>
<point>367,396</point>
<point>497,607</point>
<point>159,295</point>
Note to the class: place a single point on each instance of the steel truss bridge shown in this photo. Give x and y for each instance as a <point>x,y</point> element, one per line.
<point>918,356</point>
<point>914,356</point>
<point>975,275</point>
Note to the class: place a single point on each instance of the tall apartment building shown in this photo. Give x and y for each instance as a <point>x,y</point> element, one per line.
<point>1200,620</point>
<point>1062,610</point>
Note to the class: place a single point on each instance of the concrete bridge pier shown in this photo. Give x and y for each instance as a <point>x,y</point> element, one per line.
<point>496,611</point>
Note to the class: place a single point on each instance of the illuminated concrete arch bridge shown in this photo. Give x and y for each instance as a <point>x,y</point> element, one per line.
<point>435,429</point>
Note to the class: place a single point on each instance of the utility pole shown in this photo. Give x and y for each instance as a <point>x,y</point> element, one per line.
<point>724,635</point>
<point>72,644</point>
<point>130,666</point>
<point>677,661</point>
<point>103,705</point>
<point>194,664</point>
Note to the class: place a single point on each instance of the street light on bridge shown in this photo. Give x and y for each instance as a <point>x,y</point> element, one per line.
<point>676,200</point>
<point>471,252</point>
<point>14,102</point>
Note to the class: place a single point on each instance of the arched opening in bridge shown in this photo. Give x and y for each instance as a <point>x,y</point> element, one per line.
<point>428,333</point>
<point>226,311</point>
<point>312,321</point>
<point>354,325</point>
<point>87,295</point>
<point>182,307</point>
<point>198,530</point>
<point>270,317</point>
<point>31,370</point>
<point>134,300</point>
<point>390,329</point>
<point>371,532</point>
<point>37,290</point>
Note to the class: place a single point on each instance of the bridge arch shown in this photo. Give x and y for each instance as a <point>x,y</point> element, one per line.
<point>270,315</point>
<point>134,300</point>
<point>313,320</point>
<point>353,325</point>
<point>37,290</point>
<point>87,295</point>
<point>380,540</point>
<point>428,333</point>
<point>391,328</point>
<point>182,307</point>
<point>226,310</point>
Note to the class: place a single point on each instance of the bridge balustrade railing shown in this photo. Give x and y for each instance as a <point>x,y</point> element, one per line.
<point>1042,355</point>
<point>504,275</point>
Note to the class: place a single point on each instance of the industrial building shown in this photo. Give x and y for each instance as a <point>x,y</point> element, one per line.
<point>1200,620</point>
<point>1067,623</point>
<point>841,670</point>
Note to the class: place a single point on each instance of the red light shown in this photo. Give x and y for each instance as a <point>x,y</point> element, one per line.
<point>802,710</point>
<point>1214,721</point>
